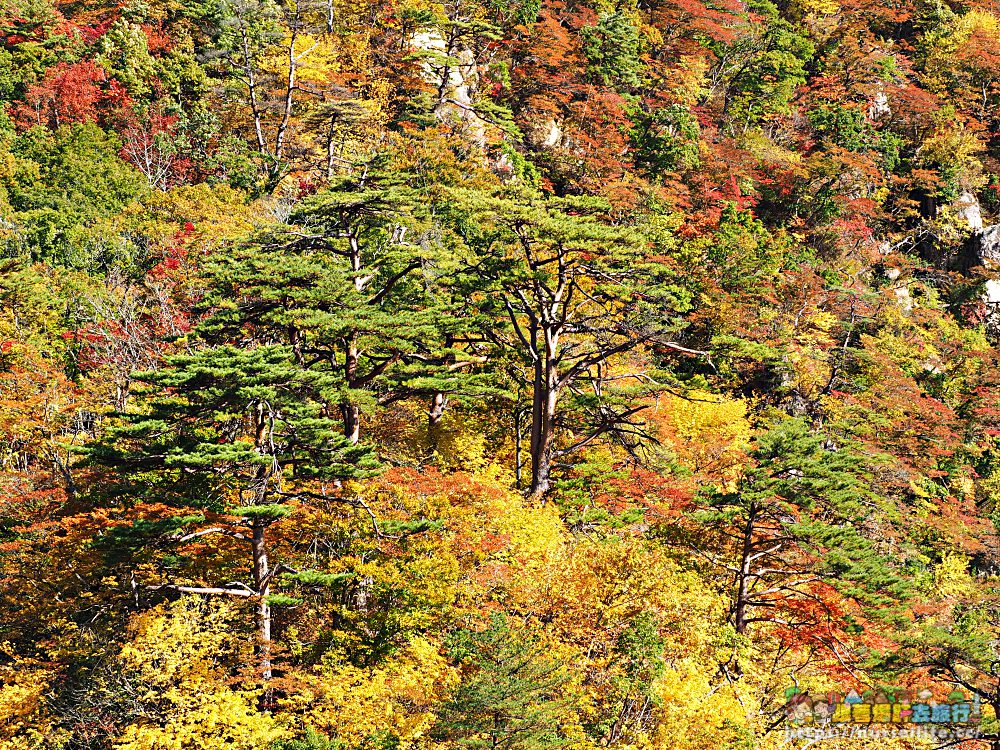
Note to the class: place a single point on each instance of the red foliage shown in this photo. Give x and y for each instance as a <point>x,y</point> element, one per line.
<point>69,93</point>
<point>684,23</point>
<point>662,498</point>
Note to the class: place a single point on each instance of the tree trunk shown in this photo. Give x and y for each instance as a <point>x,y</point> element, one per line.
<point>251,82</point>
<point>543,433</point>
<point>541,470</point>
<point>438,404</point>
<point>286,114</point>
<point>329,153</point>
<point>743,581</point>
<point>517,448</point>
<point>352,421</point>
<point>262,584</point>
<point>350,410</point>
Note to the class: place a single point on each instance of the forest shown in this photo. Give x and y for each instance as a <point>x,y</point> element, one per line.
<point>496,374</point>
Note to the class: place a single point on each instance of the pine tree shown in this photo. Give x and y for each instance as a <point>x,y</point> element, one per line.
<point>956,641</point>
<point>563,295</point>
<point>238,433</point>
<point>798,517</point>
<point>353,286</point>
<point>512,695</point>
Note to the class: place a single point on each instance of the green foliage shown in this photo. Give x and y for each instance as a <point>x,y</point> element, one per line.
<point>799,514</point>
<point>512,696</point>
<point>125,53</point>
<point>271,512</point>
<point>850,129</point>
<point>353,285</point>
<point>312,740</point>
<point>640,648</point>
<point>408,528</point>
<point>666,140</point>
<point>775,58</point>
<point>316,578</point>
<point>130,539</point>
<point>613,50</point>
<point>743,254</point>
<point>233,423</point>
<point>64,183</point>
<point>281,600</point>
<point>523,13</point>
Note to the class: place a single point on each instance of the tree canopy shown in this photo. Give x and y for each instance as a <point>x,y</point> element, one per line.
<point>508,374</point>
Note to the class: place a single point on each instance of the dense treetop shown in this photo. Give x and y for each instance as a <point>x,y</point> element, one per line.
<point>493,374</point>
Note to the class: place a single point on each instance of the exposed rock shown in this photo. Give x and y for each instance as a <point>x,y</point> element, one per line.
<point>545,134</point>
<point>504,164</point>
<point>990,298</point>
<point>983,248</point>
<point>991,292</point>
<point>899,288</point>
<point>967,209</point>
<point>903,297</point>
<point>932,366</point>
<point>879,106</point>
<point>455,75</point>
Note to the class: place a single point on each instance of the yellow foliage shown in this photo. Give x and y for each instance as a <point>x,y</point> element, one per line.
<point>535,535</point>
<point>318,58</point>
<point>691,715</point>
<point>916,348</point>
<point>593,585</point>
<point>217,213</point>
<point>820,7</point>
<point>976,20</point>
<point>945,41</point>
<point>689,79</point>
<point>173,659</point>
<point>216,717</point>
<point>953,145</point>
<point>951,577</point>
<point>458,445</point>
<point>987,492</point>
<point>474,507</point>
<point>592,591</point>
<point>24,720</point>
<point>773,154</point>
<point>398,696</point>
<point>708,433</point>
<point>460,439</point>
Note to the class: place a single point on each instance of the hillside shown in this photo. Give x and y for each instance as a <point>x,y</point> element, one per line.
<point>496,374</point>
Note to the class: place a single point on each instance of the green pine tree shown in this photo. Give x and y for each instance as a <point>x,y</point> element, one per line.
<point>353,285</point>
<point>803,513</point>
<point>513,694</point>
<point>563,295</point>
<point>240,433</point>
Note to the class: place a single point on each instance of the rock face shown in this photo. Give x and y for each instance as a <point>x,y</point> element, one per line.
<point>879,107</point>
<point>983,248</point>
<point>991,299</point>
<point>991,292</point>
<point>967,209</point>
<point>900,289</point>
<point>454,74</point>
<point>545,134</point>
